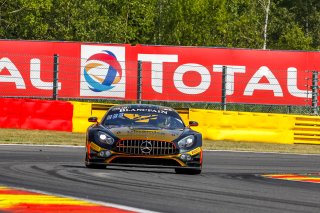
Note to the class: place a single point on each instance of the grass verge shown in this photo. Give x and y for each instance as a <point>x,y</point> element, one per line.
<point>42,137</point>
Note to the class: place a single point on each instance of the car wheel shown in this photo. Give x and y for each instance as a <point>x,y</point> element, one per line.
<point>93,166</point>
<point>188,171</point>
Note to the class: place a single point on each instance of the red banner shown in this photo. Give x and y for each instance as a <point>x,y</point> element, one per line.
<point>252,76</point>
<point>188,74</point>
<point>26,68</point>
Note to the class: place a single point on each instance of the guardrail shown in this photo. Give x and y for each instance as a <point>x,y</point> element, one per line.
<point>213,124</point>
<point>227,125</point>
<point>83,110</point>
<point>244,126</point>
<point>306,130</point>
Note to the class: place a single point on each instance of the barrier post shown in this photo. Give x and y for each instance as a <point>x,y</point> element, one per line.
<point>139,84</point>
<point>224,96</point>
<point>55,76</point>
<point>315,87</point>
<point>289,109</point>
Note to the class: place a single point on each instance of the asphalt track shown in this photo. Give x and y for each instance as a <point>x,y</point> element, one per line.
<point>230,181</point>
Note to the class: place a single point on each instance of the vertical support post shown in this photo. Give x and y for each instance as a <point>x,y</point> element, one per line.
<point>289,109</point>
<point>55,76</point>
<point>224,89</point>
<point>315,87</point>
<point>139,83</point>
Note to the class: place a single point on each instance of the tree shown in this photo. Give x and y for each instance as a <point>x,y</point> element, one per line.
<point>266,7</point>
<point>286,32</point>
<point>281,24</point>
<point>23,19</point>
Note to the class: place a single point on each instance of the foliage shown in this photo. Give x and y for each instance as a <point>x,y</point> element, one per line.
<point>293,24</point>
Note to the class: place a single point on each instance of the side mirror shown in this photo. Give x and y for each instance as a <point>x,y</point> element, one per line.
<point>93,119</point>
<point>193,123</point>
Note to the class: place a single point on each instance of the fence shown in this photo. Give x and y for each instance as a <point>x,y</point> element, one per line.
<point>267,81</point>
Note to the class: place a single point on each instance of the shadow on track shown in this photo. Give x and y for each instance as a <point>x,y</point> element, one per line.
<point>125,169</point>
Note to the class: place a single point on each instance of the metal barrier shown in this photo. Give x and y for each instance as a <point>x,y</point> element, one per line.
<point>83,110</point>
<point>227,125</point>
<point>307,130</point>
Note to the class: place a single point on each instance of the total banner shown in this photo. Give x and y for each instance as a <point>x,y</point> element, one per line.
<point>168,73</point>
<point>252,76</point>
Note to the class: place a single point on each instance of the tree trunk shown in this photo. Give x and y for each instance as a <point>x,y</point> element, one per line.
<point>266,7</point>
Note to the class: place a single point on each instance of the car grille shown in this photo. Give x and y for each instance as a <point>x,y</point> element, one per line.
<point>146,147</point>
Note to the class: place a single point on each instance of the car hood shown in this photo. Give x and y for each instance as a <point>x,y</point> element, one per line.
<point>134,133</point>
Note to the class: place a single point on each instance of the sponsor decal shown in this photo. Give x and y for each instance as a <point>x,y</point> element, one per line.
<point>195,74</point>
<point>168,73</point>
<point>95,147</point>
<point>195,151</point>
<point>102,71</point>
<point>9,73</point>
<point>144,110</point>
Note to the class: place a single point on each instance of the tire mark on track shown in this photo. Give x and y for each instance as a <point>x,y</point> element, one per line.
<point>130,185</point>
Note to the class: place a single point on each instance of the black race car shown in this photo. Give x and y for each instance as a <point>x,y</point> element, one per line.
<point>143,135</point>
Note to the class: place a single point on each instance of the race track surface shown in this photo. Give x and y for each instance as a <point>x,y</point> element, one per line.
<point>230,181</point>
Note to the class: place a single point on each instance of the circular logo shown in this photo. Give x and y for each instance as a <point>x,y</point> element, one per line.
<point>146,147</point>
<point>102,71</point>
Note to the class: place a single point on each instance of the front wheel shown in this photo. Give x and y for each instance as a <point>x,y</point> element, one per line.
<point>90,165</point>
<point>188,171</point>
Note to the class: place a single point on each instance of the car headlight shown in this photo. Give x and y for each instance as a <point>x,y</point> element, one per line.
<point>186,142</point>
<point>105,138</point>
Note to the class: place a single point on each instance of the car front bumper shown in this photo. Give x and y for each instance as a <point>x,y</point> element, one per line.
<point>184,159</point>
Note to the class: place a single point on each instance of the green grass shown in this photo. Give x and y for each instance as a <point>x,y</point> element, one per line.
<point>262,147</point>
<point>41,137</point>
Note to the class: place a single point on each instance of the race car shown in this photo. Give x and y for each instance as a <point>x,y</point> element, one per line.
<point>143,135</point>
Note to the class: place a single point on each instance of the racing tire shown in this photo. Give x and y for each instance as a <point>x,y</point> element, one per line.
<point>188,171</point>
<point>92,165</point>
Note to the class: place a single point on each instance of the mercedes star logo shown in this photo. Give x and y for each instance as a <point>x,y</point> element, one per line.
<point>146,147</point>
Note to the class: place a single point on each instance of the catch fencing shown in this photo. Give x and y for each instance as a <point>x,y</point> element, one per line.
<point>216,78</point>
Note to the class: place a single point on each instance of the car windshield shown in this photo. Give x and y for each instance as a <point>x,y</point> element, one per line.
<point>146,119</point>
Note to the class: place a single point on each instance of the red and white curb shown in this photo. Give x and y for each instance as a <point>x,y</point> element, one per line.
<point>18,200</point>
<point>310,177</point>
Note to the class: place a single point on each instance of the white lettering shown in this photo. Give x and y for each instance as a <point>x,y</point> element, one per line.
<point>157,61</point>
<point>292,84</point>
<point>35,76</point>
<point>231,70</point>
<point>180,85</point>
<point>255,85</point>
<point>143,110</point>
<point>15,75</point>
